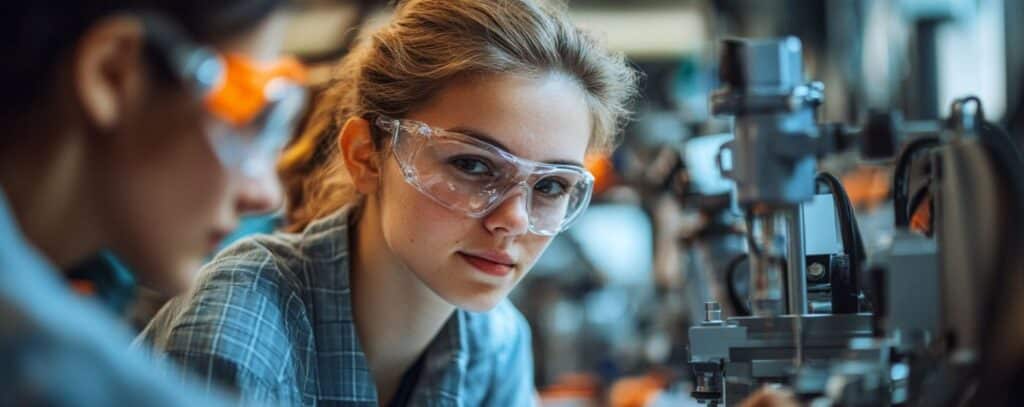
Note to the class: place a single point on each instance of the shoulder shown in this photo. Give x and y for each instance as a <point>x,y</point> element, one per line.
<point>244,317</point>
<point>64,350</point>
<point>257,277</point>
<point>255,254</point>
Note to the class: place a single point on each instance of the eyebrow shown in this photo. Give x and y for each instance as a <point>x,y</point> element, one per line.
<point>479,135</point>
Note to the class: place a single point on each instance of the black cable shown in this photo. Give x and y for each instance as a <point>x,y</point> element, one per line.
<point>846,287</point>
<point>754,248</point>
<point>853,243</point>
<point>901,208</point>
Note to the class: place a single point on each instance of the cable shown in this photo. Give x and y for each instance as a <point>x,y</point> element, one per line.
<point>846,288</point>
<point>754,248</point>
<point>853,243</point>
<point>901,209</point>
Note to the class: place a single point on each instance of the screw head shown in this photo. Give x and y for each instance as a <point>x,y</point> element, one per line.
<point>816,271</point>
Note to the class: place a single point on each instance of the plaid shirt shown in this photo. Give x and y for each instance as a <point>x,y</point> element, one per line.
<point>272,319</point>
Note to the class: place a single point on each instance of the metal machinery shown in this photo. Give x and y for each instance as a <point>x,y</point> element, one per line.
<point>809,327</point>
<point>773,161</point>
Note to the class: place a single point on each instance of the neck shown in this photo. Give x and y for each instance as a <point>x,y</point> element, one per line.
<point>396,315</point>
<point>44,178</point>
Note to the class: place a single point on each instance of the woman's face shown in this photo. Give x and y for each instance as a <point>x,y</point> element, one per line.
<point>169,199</point>
<point>460,258</point>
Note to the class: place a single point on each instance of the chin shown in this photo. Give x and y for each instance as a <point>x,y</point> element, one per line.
<point>470,290</point>
<point>478,303</point>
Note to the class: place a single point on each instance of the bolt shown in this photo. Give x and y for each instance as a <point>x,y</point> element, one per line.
<point>712,311</point>
<point>816,271</point>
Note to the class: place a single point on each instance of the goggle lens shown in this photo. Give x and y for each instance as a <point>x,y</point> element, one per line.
<point>471,176</point>
<point>257,108</point>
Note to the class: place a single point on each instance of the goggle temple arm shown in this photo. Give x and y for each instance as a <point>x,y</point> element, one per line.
<point>198,67</point>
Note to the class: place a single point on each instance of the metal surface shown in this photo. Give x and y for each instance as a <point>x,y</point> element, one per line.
<point>911,288</point>
<point>712,312</point>
<point>757,350</point>
<point>966,235</point>
<point>773,160</point>
<point>766,274</point>
<point>930,292</point>
<point>774,127</point>
<point>797,279</point>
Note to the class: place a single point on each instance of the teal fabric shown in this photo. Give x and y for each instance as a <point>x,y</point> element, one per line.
<point>58,349</point>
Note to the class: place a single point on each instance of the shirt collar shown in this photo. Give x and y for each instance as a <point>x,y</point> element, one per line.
<point>325,245</point>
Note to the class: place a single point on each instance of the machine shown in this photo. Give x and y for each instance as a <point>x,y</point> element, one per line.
<point>906,327</point>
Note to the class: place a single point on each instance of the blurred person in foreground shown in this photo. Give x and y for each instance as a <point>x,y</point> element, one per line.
<point>141,127</point>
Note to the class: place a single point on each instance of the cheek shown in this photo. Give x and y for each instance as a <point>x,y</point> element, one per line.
<point>419,224</point>
<point>172,191</point>
<point>534,246</point>
<point>183,169</point>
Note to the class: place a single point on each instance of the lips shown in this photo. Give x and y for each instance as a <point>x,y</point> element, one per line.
<point>493,263</point>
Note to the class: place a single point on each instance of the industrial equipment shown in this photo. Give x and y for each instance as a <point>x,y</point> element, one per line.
<point>906,327</point>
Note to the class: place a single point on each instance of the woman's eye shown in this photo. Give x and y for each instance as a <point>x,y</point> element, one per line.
<point>471,166</point>
<point>552,187</point>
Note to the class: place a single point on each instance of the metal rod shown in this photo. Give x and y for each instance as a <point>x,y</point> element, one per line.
<point>796,275</point>
<point>766,283</point>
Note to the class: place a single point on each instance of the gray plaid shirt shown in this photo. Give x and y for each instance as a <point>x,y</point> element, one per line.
<point>272,318</point>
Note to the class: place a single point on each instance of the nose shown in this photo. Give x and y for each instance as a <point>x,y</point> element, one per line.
<point>258,194</point>
<point>510,218</point>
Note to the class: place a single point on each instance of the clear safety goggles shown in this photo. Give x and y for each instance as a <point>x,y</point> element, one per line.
<point>255,105</point>
<point>468,175</point>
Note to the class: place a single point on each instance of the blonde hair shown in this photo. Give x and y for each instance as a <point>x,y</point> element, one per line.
<point>427,45</point>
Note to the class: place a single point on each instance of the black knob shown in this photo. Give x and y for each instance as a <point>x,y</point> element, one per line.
<point>878,139</point>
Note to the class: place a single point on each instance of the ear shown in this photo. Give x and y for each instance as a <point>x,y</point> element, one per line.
<point>356,147</point>
<point>108,71</point>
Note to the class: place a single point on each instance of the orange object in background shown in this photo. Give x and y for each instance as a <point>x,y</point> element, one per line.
<point>867,186</point>
<point>770,397</point>
<point>83,287</point>
<point>637,391</point>
<point>575,387</point>
<point>921,217</point>
<point>601,167</point>
<point>241,94</point>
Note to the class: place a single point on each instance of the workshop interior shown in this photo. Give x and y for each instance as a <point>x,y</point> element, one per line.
<point>824,198</point>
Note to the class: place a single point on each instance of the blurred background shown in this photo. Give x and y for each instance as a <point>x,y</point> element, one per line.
<point>611,300</point>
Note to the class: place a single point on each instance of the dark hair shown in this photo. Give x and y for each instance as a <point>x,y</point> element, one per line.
<point>39,34</point>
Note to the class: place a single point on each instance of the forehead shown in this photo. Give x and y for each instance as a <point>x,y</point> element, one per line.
<point>543,118</point>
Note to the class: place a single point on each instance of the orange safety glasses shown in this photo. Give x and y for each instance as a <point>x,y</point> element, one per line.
<point>255,105</point>
<point>258,106</point>
<point>247,87</point>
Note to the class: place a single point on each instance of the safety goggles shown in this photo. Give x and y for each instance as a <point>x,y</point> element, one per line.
<point>255,105</point>
<point>468,175</point>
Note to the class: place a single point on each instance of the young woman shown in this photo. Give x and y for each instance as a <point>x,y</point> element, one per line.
<point>459,132</point>
<point>121,134</point>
